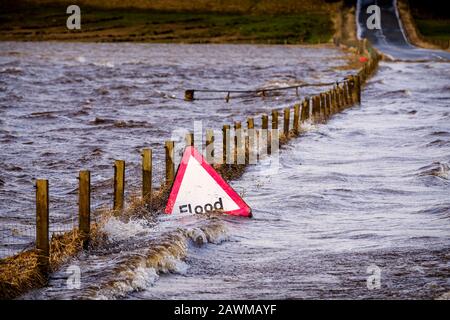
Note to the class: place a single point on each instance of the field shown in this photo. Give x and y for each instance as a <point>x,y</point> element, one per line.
<point>172,21</point>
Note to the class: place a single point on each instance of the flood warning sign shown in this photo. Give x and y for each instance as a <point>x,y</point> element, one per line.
<point>198,188</point>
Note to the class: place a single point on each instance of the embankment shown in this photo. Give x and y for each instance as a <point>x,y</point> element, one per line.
<point>416,29</point>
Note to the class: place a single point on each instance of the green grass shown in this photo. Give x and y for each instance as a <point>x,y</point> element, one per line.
<point>107,25</point>
<point>436,29</point>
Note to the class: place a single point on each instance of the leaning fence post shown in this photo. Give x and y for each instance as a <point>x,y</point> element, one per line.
<point>209,146</point>
<point>287,116</point>
<point>226,143</point>
<point>170,161</point>
<point>296,118</point>
<point>42,224</point>
<point>84,206</point>
<point>146,174</point>
<point>119,184</point>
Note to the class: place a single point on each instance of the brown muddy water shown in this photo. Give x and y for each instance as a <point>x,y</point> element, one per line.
<point>369,190</point>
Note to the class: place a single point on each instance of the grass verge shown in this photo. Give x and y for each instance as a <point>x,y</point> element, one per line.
<point>44,23</point>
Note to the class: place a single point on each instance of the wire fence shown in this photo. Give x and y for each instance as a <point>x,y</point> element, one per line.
<point>16,237</point>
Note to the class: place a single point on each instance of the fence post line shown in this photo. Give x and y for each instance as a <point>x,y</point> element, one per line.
<point>189,139</point>
<point>146,174</point>
<point>84,206</point>
<point>169,147</point>
<point>209,146</point>
<point>226,143</point>
<point>287,116</point>
<point>296,125</point>
<point>42,224</point>
<point>119,184</point>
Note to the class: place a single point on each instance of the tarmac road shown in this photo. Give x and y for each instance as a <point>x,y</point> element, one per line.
<point>391,39</point>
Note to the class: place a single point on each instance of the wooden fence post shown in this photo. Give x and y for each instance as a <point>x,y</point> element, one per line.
<point>341,98</point>
<point>323,107</point>
<point>274,119</point>
<point>305,110</point>
<point>119,184</point>
<point>190,139</point>
<point>170,161</point>
<point>146,174</point>
<point>265,131</point>
<point>209,146</point>
<point>287,116</point>
<point>249,142</point>
<point>189,95</point>
<point>329,103</point>
<point>316,109</point>
<point>334,100</point>
<point>351,89</point>
<point>345,88</point>
<point>237,141</point>
<point>296,125</point>
<point>357,89</point>
<point>84,207</point>
<point>226,144</point>
<point>42,224</point>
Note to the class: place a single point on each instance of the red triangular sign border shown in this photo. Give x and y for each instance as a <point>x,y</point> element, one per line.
<point>244,209</point>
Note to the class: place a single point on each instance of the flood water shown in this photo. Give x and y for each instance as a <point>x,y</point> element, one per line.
<point>367,191</point>
<point>68,107</point>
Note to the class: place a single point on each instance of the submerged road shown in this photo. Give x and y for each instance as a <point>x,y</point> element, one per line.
<point>365,194</point>
<point>391,39</point>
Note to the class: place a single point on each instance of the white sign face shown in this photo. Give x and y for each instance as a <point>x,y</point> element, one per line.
<point>198,189</point>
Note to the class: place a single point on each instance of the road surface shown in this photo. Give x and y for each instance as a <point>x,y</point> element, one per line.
<point>390,39</point>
